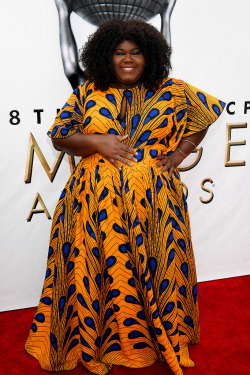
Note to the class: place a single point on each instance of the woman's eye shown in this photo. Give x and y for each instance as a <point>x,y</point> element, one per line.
<point>120,53</point>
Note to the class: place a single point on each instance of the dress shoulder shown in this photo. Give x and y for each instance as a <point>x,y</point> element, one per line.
<point>71,115</point>
<point>198,108</point>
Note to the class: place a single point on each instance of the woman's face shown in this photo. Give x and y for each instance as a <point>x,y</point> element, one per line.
<point>128,63</point>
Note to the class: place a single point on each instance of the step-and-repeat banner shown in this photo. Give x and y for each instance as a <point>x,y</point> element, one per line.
<point>39,45</point>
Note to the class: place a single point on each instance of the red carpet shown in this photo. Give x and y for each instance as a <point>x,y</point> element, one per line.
<point>224,348</point>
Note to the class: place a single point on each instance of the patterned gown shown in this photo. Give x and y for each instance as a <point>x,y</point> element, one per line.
<point>120,286</point>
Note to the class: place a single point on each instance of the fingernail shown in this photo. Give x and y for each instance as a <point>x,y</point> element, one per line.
<point>135,160</point>
<point>130,164</point>
<point>136,153</point>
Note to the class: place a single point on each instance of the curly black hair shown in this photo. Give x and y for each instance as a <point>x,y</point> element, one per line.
<point>96,55</point>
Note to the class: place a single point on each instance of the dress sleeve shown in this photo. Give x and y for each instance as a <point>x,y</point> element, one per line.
<point>70,117</point>
<point>202,109</point>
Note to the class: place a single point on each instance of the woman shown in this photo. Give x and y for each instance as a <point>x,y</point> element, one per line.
<point>120,285</point>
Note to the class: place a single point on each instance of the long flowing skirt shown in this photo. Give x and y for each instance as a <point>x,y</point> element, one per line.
<point>120,285</point>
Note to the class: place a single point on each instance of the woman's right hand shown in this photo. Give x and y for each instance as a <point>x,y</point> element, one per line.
<point>111,147</point>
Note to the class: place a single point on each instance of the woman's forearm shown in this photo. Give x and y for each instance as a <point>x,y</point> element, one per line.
<point>110,146</point>
<point>78,144</point>
<point>186,146</point>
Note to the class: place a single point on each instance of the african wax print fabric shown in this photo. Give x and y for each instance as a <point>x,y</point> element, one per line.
<point>120,285</point>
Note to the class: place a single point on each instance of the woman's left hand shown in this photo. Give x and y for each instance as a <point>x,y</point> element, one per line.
<point>167,163</point>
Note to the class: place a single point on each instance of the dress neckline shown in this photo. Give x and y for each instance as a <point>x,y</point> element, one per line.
<point>122,91</point>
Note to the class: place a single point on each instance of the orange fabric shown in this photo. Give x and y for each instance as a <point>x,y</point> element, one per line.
<point>120,285</point>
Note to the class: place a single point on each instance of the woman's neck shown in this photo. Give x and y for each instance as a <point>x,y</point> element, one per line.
<point>120,85</point>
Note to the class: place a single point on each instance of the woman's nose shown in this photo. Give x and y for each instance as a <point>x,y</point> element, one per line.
<point>128,57</point>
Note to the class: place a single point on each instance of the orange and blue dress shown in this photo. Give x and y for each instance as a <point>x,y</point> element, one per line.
<point>120,285</point>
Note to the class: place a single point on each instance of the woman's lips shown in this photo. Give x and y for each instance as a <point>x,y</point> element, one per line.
<point>128,69</point>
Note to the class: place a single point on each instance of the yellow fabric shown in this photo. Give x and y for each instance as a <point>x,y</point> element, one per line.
<point>120,285</point>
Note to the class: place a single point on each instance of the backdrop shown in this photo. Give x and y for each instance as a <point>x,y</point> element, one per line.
<point>209,40</point>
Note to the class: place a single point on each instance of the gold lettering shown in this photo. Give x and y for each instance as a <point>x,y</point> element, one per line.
<point>199,151</point>
<point>185,189</point>
<point>205,180</point>
<point>72,163</point>
<point>234,125</point>
<point>51,172</point>
<point>38,211</point>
